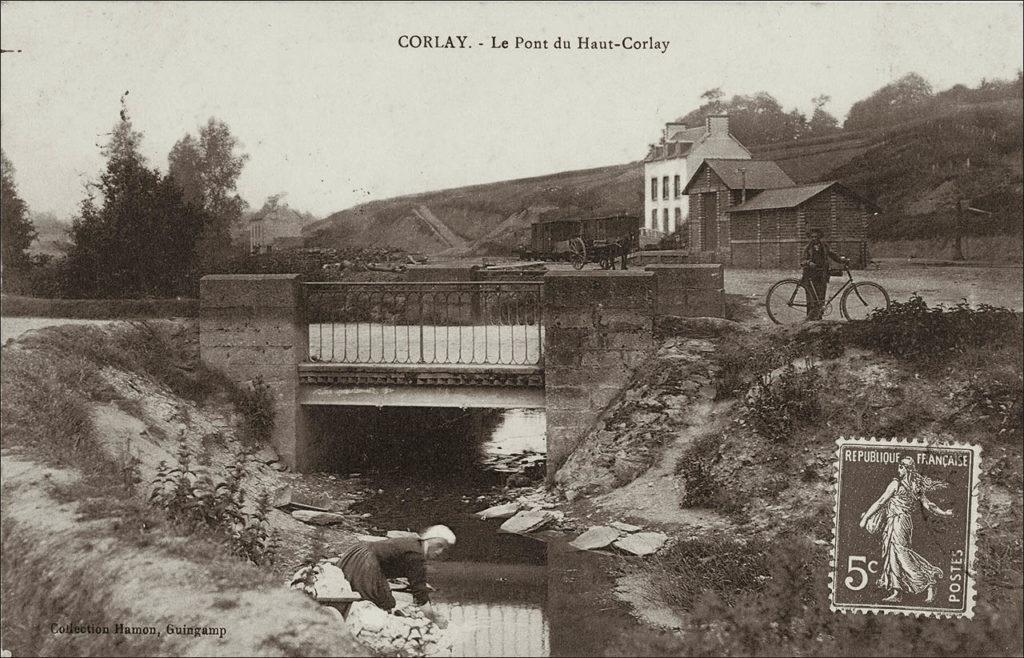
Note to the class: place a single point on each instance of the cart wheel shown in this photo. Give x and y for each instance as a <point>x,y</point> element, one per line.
<point>577,253</point>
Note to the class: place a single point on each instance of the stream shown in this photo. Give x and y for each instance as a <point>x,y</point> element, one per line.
<point>504,594</point>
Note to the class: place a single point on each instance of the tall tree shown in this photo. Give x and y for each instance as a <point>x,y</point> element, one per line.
<point>905,99</point>
<point>822,122</point>
<point>207,170</point>
<point>16,230</point>
<point>139,237</point>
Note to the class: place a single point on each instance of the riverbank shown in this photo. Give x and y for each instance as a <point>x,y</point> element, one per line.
<point>90,415</point>
<point>747,495</point>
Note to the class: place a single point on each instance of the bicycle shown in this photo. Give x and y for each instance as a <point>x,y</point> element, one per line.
<point>786,300</point>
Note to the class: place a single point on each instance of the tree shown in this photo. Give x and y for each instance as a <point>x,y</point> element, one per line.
<point>16,230</point>
<point>822,122</point>
<point>139,237</point>
<point>754,119</point>
<point>207,171</point>
<point>713,100</point>
<point>907,98</point>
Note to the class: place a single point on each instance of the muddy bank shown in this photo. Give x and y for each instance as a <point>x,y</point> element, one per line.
<point>989,248</point>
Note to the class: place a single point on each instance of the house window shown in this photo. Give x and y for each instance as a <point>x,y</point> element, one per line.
<point>664,218</point>
<point>677,190</point>
<point>664,187</point>
<point>654,219</point>
<point>654,189</point>
<point>679,219</point>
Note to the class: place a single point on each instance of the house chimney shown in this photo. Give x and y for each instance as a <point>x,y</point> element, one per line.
<point>672,127</point>
<point>718,124</point>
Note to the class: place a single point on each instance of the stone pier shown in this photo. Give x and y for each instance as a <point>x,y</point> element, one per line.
<point>598,326</point>
<point>252,326</point>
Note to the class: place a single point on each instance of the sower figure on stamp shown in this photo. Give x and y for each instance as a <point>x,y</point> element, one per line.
<point>903,570</point>
<point>816,272</point>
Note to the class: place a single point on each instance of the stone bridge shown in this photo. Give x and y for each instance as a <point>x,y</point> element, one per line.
<point>567,343</point>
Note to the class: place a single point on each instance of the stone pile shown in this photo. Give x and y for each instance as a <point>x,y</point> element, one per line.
<point>407,633</point>
<point>411,634</point>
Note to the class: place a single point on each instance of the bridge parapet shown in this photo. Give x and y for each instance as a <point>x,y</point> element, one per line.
<point>442,322</point>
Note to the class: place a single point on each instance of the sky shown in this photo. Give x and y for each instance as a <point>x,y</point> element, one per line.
<point>333,111</point>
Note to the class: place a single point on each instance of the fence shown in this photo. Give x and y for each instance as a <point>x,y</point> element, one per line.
<point>476,323</point>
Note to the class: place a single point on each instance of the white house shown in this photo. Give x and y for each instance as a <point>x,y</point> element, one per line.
<point>277,229</point>
<point>669,165</point>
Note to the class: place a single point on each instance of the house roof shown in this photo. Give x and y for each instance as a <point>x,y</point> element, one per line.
<point>679,149</point>
<point>755,174</point>
<point>785,197</point>
<point>688,134</point>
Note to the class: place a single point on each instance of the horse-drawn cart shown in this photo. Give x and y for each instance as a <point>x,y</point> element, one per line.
<point>580,241</point>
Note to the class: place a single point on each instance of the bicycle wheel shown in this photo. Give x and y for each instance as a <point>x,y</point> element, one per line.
<point>862,299</point>
<point>577,253</point>
<point>786,302</point>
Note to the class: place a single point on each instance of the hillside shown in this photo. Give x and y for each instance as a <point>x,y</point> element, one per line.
<point>481,219</point>
<point>913,171</point>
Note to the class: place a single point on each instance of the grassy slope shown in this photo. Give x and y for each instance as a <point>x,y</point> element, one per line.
<point>81,400</point>
<point>762,588</point>
<point>898,166</point>
<point>474,213</point>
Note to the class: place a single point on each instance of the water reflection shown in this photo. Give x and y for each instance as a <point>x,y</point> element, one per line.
<point>505,595</point>
<point>488,629</point>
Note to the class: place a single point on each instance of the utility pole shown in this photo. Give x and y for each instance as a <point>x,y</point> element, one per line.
<point>958,250</point>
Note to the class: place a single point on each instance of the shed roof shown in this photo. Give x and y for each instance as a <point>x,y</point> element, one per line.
<point>785,197</point>
<point>755,174</point>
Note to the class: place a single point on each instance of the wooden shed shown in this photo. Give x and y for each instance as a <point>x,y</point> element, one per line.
<point>771,230</point>
<point>719,184</point>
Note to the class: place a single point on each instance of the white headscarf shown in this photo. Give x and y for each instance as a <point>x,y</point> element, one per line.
<point>439,532</point>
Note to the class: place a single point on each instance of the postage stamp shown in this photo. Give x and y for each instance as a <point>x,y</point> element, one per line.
<point>904,527</point>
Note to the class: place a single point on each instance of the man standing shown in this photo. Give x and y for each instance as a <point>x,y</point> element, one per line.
<point>815,272</point>
<point>368,565</point>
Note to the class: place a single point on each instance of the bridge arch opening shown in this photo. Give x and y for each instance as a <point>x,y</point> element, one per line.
<point>437,442</point>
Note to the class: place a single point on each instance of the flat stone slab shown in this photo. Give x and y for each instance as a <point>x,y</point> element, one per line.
<point>597,536</point>
<point>642,543</point>
<point>317,518</point>
<point>527,521</point>
<point>503,511</point>
<point>625,527</point>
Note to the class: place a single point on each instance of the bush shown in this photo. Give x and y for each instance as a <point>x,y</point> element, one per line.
<point>742,360</point>
<point>203,501</point>
<point>781,404</point>
<point>701,488</point>
<point>914,331</point>
<point>256,406</point>
<point>695,467</point>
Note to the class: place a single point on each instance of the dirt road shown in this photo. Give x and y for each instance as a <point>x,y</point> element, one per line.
<point>937,285</point>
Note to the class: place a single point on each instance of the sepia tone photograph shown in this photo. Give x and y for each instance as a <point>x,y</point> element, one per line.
<point>511,329</point>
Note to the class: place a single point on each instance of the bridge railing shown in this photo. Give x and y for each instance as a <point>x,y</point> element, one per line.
<point>474,323</point>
